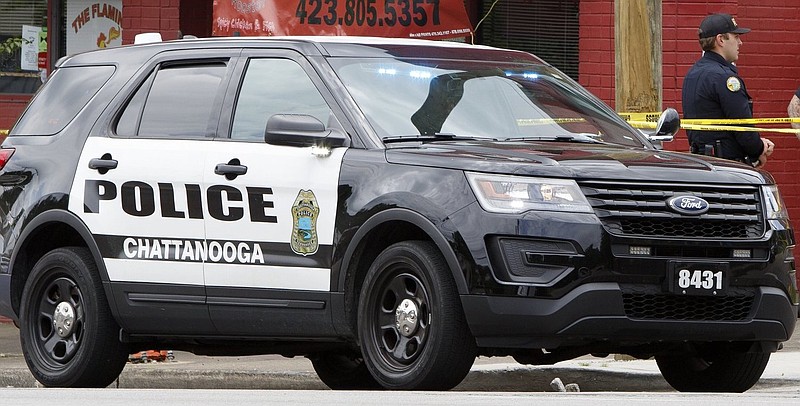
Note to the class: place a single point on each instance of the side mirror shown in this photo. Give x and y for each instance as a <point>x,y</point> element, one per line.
<point>302,130</point>
<point>667,126</point>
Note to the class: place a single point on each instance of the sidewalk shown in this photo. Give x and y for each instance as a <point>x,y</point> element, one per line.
<point>488,374</point>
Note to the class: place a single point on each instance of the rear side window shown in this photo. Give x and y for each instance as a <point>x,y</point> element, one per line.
<point>178,101</point>
<point>61,99</point>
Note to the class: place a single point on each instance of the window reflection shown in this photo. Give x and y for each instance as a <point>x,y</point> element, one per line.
<point>274,86</point>
<point>478,99</point>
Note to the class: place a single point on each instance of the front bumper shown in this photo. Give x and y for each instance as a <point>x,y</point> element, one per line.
<point>595,313</point>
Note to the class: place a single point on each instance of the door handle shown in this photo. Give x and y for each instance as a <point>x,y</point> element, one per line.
<point>103,164</point>
<point>231,170</point>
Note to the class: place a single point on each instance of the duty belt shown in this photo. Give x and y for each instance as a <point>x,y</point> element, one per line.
<point>715,150</point>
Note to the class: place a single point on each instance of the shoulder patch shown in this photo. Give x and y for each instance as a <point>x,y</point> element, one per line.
<point>733,84</point>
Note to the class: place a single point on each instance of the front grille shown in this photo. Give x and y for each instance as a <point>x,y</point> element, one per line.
<point>686,227</point>
<point>640,209</point>
<point>660,306</point>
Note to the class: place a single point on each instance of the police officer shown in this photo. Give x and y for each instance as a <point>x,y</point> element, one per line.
<point>712,89</point>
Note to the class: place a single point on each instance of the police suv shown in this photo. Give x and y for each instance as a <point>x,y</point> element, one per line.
<point>390,209</point>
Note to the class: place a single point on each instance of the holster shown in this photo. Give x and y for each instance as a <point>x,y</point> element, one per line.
<point>714,149</point>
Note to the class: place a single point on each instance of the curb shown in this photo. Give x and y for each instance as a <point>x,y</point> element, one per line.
<point>496,379</point>
<point>521,380</point>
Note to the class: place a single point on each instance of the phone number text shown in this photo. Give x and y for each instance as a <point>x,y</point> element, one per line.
<point>371,13</point>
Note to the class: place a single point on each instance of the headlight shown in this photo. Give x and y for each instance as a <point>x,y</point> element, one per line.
<point>773,203</point>
<point>515,194</point>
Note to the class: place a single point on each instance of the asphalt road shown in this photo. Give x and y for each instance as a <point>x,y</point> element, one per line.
<point>192,397</point>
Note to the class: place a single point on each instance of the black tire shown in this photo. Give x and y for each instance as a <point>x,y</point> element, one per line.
<point>343,371</point>
<point>86,351</point>
<point>437,349</point>
<point>713,371</point>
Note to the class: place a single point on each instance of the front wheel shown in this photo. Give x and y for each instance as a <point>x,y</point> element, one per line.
<point>709,369</point>
<point>411,325</point>
<point>69,337</point>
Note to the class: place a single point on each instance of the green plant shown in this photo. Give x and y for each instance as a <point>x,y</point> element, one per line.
<point>11,45</point>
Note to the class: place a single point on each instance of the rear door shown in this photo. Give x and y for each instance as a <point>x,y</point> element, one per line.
<point>142,192</point>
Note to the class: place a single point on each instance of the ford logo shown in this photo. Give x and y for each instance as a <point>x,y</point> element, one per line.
<point>688,205</point>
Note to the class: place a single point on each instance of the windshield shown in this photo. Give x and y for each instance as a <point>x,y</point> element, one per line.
<point>478,99</point>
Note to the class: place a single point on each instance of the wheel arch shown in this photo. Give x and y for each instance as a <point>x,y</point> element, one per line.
<point>394,225</point>
<point>50,230</point>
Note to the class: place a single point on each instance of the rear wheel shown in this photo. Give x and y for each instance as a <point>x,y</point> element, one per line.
<point>411,326</point>
<point>344,371</point>
<point>713,370</point>
<point>69,337</point>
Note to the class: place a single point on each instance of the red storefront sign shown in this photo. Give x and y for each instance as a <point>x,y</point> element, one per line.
<point>432,19</point>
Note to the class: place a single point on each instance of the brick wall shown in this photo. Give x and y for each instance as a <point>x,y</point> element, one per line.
<point>769,63</point>
<point>160,16</point>
<point>596,46</point>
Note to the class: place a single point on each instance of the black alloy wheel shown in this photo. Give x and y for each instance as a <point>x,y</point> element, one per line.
<point>68,335</point>
<point>412,329</point>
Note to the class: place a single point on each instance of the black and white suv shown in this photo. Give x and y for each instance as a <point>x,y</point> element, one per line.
<point>388,208</point>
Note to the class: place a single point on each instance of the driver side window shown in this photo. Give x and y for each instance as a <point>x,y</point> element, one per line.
<point>274,86</point>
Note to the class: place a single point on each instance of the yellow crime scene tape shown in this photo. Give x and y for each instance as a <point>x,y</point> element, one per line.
<point>648,120</point>
<point>640,116</point>
<point>527,122</point>
<point>698,127</point>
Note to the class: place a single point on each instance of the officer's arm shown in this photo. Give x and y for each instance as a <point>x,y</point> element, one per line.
<point>736,104</point>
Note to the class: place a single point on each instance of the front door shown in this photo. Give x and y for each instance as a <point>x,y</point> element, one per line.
<point>272,209</point>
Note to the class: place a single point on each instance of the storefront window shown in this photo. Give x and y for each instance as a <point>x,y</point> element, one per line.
<point>23,47</point>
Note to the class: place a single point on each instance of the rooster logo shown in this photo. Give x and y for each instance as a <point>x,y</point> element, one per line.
<point>103,41</point>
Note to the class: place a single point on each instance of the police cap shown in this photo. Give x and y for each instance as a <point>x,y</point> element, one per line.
<point>720,24</point>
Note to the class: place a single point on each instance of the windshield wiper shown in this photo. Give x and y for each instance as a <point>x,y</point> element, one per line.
<point>435,137</point>
<point>582,138</point>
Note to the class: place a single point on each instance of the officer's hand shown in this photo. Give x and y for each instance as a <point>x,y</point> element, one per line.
<point>762,160</point>
<point>769,146</point>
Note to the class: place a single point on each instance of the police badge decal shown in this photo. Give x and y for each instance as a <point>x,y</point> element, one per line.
<point>305,211</point>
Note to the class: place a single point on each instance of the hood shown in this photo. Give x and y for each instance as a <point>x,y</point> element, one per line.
<point>575,161</point>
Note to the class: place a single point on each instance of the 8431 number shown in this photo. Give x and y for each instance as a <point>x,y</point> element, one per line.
<point>706,280</point>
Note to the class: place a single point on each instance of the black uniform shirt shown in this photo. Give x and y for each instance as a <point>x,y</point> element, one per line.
<point>713,89</point>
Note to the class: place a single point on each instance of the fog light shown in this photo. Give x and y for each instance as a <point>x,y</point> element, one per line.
<point>633,250</point>
<point>742,254</point>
